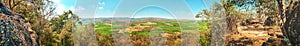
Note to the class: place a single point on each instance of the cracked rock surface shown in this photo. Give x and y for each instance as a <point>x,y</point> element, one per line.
<point>14,31</point>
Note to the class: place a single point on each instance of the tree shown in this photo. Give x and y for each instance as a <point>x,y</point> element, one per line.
<point>61,29</point>
<point>231,18</point>
<point>290,25</point>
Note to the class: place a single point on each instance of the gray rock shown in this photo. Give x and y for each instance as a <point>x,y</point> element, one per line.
<point>12,30</point>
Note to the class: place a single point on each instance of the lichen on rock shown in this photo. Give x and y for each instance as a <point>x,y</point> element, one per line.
<point>14,31</point>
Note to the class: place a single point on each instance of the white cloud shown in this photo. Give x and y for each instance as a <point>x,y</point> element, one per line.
<point>101,5</point>
<point>79,8</point>
<point>72,8</point>
<point>60,9</point>
<point>100,8</point>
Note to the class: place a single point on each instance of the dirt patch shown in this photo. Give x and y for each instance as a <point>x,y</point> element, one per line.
<point>256,34</point>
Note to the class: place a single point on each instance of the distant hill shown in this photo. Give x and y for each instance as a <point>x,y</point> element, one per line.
<point>122,19</point>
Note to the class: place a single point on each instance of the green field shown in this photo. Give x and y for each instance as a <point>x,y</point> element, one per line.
<point>170,27</point>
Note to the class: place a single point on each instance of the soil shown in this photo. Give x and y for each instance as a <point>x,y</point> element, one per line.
<point>255,33</point>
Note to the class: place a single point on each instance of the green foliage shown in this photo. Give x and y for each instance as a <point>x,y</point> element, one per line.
<point>204,25</point>
<point>169,29</point>
<point>104,30</point>
<point>61,30</point>
<point>205,38</point>
<point>140,33</point>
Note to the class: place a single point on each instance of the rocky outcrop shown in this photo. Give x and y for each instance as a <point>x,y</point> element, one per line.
<point>14,31</point>
<point>255,33</point>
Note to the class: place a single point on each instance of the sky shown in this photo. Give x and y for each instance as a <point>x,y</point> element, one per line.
<point>107,8</point>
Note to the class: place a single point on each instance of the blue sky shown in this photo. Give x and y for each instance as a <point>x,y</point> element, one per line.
<point>106,8</point>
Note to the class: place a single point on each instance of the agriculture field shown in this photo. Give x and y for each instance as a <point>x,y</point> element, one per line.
<point>141,30</point>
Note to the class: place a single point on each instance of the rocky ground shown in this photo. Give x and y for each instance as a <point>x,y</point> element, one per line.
<point>255,33</point>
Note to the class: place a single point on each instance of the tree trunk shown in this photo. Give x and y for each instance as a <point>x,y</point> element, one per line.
<point>290,17</point>
<point>232,27</point>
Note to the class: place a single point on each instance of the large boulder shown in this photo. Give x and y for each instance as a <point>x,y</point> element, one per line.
<point>14,31</point>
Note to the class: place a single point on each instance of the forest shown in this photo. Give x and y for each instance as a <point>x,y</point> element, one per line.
<point>227,23</point>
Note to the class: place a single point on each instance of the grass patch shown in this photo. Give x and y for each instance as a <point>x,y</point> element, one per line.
<point>104,30</point>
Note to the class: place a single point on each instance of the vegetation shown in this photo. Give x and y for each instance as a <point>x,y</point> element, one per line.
<point>56,29</point>
<point>279,12</point>
<point>104,30</point>
<point>52,29</point>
